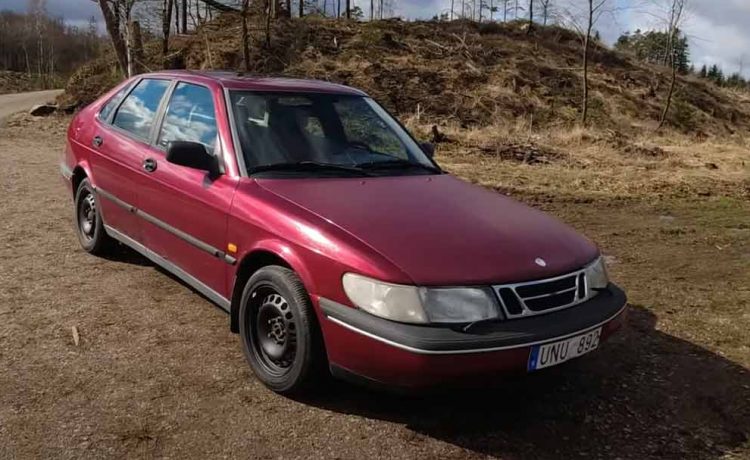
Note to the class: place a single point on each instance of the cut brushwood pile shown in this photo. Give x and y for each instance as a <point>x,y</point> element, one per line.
<point>17,82</point>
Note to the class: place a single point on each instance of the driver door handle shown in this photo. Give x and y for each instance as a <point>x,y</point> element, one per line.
<point>149,165</point>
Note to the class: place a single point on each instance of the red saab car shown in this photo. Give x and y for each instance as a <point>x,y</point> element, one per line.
<point>329,235</point>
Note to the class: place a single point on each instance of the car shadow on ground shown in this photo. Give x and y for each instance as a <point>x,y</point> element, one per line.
<point>125,255</point>
<point>643,394</point>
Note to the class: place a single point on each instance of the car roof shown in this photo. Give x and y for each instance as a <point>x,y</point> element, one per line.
<point>239,80</point>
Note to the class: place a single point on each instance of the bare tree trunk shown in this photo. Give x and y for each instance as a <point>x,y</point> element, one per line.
<point>176,18</point>
<point>184,16</point>
<point>40,45</point>
<point>129,53</point>
<point>586,41</point>
<point>136,61</point>
<point>28,63</point>
<point>245,36</point>
<point>675,18</point>
<point>166,23</point>
<point>269,12</point>
<point>301,8</point>
<point>112,22</point>
<point>531,16</point>
<point>198,18</point>
<point>348,9</point>
<point>670,33</point>
<point>289,8</point>
<point>668,103</point>
<point>372,10</point>
<point>51,69</point>
<point>451,15</point>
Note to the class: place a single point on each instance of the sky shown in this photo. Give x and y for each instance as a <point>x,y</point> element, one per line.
<point>719,30</point>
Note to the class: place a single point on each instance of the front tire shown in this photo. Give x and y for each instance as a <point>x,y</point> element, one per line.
<point>279,331</point>
<point>89,223</point>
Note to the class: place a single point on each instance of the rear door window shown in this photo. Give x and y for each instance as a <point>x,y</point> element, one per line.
<point>190,116</point>
<point>137,113</point>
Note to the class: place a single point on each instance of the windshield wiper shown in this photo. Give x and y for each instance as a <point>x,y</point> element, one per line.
<point>309,166</point>
<point>397,164</point>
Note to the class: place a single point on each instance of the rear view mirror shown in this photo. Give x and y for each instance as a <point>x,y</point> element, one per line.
<point>193,155</point>
<point>428,149</point>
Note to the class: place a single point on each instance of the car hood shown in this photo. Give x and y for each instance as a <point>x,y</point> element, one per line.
<point>440,230</point>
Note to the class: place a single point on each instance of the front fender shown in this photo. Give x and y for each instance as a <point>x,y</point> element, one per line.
<point>289,254</point>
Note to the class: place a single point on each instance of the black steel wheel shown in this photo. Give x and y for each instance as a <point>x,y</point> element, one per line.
<point>279,332</point>
<point>89,224</point>
<point>275,331</point>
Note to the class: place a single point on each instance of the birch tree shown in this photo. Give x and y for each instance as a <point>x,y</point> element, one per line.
<point>117,14</point>
<point>546,4</point>
<point>675,18</point>
<point>583,20</point>
<point>166,23</point>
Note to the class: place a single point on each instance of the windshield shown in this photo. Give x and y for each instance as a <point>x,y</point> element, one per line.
<point>314,133</point>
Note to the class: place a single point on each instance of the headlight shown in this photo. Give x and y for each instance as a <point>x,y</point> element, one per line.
<point>392,301</point>
<point>413,304</point>
<point>596,276</point>
<point>458,305</point>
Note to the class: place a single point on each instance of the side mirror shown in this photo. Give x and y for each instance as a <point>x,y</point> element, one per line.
<point>193,155</point>
<point>428,148</point>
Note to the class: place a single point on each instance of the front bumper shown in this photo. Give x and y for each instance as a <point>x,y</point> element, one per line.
<point>410,355</point>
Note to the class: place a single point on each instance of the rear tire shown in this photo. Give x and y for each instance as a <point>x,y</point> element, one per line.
<point>89,223</point>
<point>279,331</point>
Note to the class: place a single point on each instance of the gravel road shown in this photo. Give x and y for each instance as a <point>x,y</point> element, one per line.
<point>17,102</point>
<point>158,374</point>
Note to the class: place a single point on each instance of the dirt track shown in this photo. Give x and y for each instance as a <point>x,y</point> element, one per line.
<point>12,103</point>
<point>157,372</point>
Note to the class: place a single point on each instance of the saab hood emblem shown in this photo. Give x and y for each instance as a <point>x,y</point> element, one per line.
<point>541,262</point>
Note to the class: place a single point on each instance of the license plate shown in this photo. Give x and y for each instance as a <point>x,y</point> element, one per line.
<point>551,354</point>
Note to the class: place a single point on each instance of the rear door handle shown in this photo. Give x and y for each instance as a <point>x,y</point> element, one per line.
<point>97,141</point>
<point>149,165</point>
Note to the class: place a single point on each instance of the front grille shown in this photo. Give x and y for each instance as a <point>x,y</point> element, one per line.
<point>542,296</point>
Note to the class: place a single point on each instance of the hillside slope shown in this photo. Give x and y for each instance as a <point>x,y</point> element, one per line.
<point>462,71</point>
<point>498,93</point>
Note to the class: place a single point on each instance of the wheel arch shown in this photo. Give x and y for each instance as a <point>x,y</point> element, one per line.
<point>253,261</point>
<point>80,172</point>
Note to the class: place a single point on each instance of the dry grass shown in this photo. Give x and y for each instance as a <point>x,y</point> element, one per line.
<point>592,162</point>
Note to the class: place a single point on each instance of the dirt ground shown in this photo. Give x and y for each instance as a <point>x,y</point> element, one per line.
<point>158,374</point>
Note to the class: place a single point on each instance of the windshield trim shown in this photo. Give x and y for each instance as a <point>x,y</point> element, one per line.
<point>238,155</point>
<point>237,146</point>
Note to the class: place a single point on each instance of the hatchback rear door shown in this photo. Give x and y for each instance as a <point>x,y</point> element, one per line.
<point>120,143</point>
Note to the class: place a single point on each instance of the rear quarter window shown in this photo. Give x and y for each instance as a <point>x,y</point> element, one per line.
<point>106,111</point>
